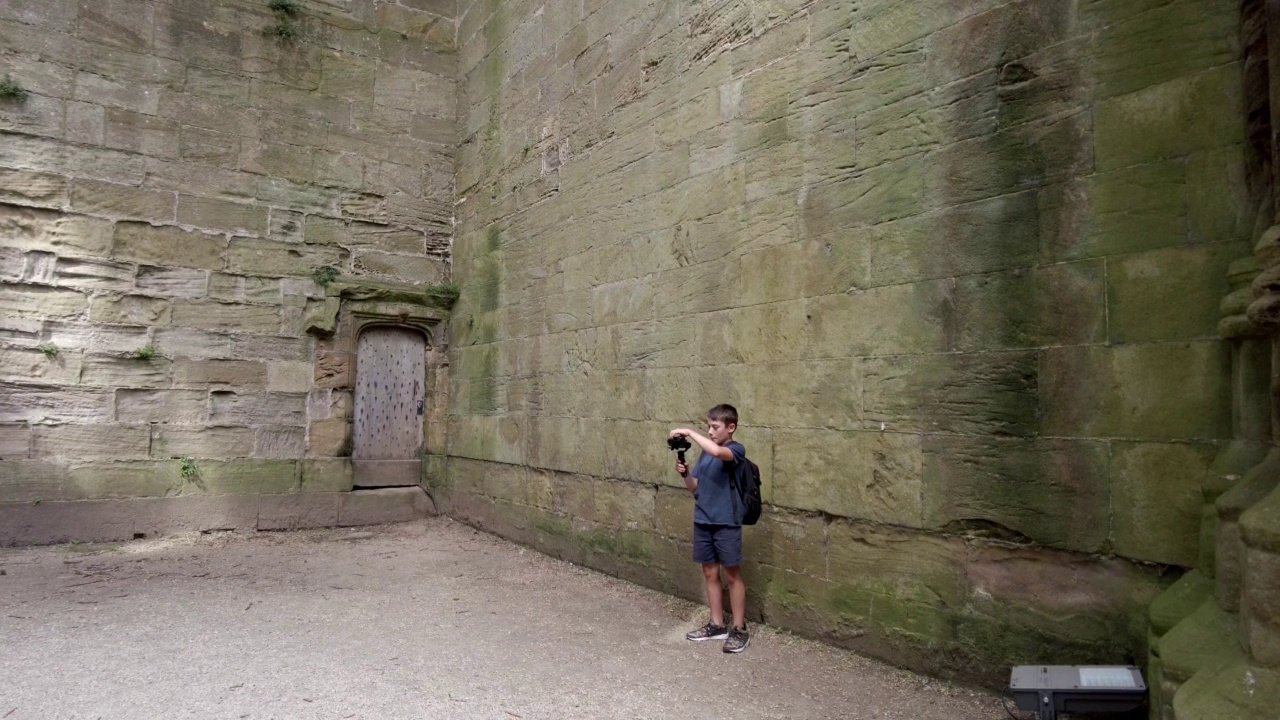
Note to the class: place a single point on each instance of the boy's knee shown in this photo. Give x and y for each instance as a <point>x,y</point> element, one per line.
<point>733,573</point>
<point>711,569</point>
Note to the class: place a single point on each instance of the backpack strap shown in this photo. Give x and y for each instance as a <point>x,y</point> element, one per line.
<point>733,482</point>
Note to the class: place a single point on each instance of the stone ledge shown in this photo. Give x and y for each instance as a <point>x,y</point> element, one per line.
<point>47,523</point>
<point>437,296</point>
<point>374,507</point>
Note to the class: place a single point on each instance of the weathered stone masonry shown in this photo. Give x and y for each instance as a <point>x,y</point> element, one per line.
<point>168,190</point>
<point>958,263</point>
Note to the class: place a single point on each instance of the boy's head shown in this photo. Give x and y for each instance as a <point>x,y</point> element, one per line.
<point>722,422</point>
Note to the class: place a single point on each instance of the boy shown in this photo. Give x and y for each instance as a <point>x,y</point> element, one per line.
<point>717,523</point>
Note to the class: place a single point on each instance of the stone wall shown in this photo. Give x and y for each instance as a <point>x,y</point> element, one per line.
<point>171,189</point>
<point>957,263</point>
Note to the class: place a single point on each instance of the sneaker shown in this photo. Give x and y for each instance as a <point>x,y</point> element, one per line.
<point>709,632</point>
<point>738,640</point>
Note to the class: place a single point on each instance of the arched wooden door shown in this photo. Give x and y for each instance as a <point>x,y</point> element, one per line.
<point>391,381</point>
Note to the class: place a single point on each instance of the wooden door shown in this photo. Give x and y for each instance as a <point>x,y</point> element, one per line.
<point>390,406</point>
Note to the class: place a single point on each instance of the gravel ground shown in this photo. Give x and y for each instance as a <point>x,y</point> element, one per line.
<point>424,620</point>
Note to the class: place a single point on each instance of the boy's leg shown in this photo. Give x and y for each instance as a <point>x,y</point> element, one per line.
<point>715,594</point>
<point>704,553</point>
<point>728,542</point>
<point>737,596</point>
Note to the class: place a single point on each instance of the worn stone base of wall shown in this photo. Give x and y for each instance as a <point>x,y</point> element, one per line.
<point>956,606</point>
<point>42,523</point>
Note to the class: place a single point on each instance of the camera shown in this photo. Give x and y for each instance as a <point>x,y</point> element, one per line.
<point>679,444</point>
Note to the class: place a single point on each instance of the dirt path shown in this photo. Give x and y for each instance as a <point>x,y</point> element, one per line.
<point>423,620</point>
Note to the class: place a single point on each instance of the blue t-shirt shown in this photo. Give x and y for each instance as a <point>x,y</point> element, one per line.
<point>714,503</point>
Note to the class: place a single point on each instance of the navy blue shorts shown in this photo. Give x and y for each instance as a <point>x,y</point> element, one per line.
<point>719,544</point>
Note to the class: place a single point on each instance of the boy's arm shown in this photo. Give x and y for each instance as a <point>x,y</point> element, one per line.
<point>718,452</point>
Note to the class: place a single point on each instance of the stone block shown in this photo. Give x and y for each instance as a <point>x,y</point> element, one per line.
<point>1054,492</point>
<point>268,349</point>
<point>86,123</point>
<point>1057,305</point>
<point>129,310</point>
<point>624,505</point>
<point>40,302</point>
<point>403,268</point>
<point>15,441</point>
<point>108,371</point>
<point>1122,391</point>
<point>40,14</point>
<point>28,365</point>
<point>123,24</point>
<point>390,505</point>
<point>895,320</point>
<point>21,332</point>
<point>33,189</point>
<point>1156,500</point>
<point>34,229</point>
<point>171,282</point>
<point>790,541</point>
<point>228,408</point>
<point>269,257</point>
<point>176,441</point>
<point>243,477</point>
<point>24,152</point>
<point>340,170</point>
<point>198,344</point>
<point>977,393</point>
<point>415,91</point>
<point>90,441</point>
<point>85,274</point>
<point>32,481</point>
<point>204,36</point>
<point>221,215</point>
<point>868,475</point>
<point>179,407</point>
<point>280,442</point>
<point>112,93</point>
<point>120,340</point>
<point>290,377</point>
<point>37,115</point>
<point>326,475</point>
<point>38,268</point>
<point>892,567</point>
<point>329,438</point>
<point>321,318</point>
<point>136,132</point>
<point>1170,294</point>
<point>1218,205</point>
<point>45,404</point>
<point>285,161</point>
<point>1159,43</point>
<point>259,319</point>
<point>153,245</point>
<point>209,147</point>
<point>1261,609</point>
<point>1072,600</point>
<point>122,479</point>
<point>234,374</point>
<point>296,511</point>
<point>1169,120</point>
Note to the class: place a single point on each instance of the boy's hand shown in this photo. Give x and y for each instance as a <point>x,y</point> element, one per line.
<point>679,432</point>
<point>682,469</point>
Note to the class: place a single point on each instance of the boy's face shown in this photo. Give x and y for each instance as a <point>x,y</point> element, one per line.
<point>719,432</point>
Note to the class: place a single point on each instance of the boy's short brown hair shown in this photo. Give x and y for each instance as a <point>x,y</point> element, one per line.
<point>726,414</point>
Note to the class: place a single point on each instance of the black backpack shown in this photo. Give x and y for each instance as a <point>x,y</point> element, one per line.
<point>749,493</point>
